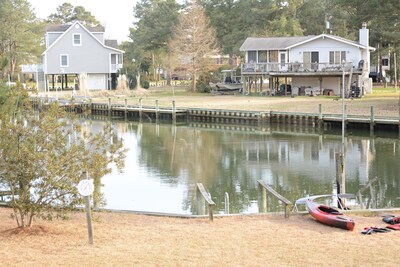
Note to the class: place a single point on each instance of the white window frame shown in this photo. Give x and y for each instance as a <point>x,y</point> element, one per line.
<point>338,57</point>
<point>80,39</point>
<point>61,61</point>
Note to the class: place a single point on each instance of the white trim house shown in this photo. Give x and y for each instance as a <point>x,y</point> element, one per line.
<point>73,51</point>
<point>309,63</point>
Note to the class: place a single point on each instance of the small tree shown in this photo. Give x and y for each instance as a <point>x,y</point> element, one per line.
<point>194,39</point>
<point>44,155</point>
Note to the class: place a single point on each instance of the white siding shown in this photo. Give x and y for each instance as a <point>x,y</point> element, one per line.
<point>324,46</point>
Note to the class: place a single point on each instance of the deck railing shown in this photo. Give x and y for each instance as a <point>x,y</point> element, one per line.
<point>294,67</point>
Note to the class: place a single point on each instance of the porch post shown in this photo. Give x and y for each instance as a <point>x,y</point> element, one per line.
<point>66,80</point>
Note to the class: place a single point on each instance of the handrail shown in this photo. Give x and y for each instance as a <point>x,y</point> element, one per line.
<point>207,198</point>
<point>284,200</point>
<point>3,194</point>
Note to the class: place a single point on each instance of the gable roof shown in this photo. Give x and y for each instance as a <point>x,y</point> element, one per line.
<point>83,27</point>
<point>285,43</point>
<point>64,27</point>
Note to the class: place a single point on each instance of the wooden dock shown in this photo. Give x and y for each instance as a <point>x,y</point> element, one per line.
<point>220,116</point>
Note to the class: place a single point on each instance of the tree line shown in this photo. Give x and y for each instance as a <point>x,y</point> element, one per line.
<point>159,26</point>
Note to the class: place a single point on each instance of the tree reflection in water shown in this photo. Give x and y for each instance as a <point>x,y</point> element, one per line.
<point>295,163</point>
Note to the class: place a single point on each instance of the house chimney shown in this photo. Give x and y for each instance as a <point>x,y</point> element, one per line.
<point>364,35</point>
<point>366,82</point>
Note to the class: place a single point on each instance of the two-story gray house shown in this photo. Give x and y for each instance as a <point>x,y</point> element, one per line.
<point>74,51</point>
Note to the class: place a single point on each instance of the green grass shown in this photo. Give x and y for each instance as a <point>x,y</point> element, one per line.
<point>383,90</point>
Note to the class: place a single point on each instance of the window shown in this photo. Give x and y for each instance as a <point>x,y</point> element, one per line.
<point>336,57</point>
<point>385,62</point>
<point>76,39</point>
<point>252,56</point>
<point>64,60</point>
<point>273,56</point>
<point>262,56</point>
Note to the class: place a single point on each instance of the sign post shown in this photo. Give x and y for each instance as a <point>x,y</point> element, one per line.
<point>85,188</point>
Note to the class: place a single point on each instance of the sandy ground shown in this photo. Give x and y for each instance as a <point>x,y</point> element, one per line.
<point>139,240</point>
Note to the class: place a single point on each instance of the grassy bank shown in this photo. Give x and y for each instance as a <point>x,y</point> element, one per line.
<point>384,103</point>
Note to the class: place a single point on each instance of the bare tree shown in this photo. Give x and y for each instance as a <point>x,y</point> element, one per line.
<point>193,40</point>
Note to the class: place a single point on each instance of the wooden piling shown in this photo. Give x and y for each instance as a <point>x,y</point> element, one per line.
<point>372,123</point>
<point>140,109</point>
<point>320,116</point>
<point>226,203</point>
<point>173,112</point>
<point>126,108</point>
<point>109,107</point>
<point>157,111</point>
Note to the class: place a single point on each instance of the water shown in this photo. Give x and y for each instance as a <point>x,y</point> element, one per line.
<point>165,162</point>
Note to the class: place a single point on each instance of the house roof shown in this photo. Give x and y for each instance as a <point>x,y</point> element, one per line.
<point>71,27</point>
<point>284,43</point>
<point>272,43</point>
<point>111,43</point>
<point>64,27</point>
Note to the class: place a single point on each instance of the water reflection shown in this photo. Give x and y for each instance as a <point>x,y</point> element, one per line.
<point>165,162</point>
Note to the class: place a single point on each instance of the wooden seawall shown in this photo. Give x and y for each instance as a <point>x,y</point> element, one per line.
<point>219,116</point>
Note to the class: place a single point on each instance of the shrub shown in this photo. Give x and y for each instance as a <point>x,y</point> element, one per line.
<point>202,87</point>
<point>145,84</point>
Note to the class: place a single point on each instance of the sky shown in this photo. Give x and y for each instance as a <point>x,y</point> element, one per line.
<point>115,15</point>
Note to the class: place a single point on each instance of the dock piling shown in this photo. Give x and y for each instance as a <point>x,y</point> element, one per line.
<point>126,108</point>
<point>109,107</point>
<point>173,112</point>
<point>140,109</point>
<point>372,123</point>
<point>157,111</point>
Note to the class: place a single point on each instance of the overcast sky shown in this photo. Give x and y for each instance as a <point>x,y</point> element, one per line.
<point>115,15</point>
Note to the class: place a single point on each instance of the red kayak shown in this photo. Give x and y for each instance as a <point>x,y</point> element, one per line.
<point>329,216</point>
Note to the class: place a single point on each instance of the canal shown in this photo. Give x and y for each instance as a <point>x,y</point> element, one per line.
<point>165,161</point>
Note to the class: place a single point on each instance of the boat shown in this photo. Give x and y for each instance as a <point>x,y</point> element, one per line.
<point>329,216</point>
<point>229,85</point>
<point>302,201</point>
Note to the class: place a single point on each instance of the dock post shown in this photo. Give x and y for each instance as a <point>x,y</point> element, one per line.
<point>372,122</point>
<point>140,109</point>
<point>173,112</point>
<point>90,106</point>
<point>109,106</point>
<point>226,203</point>
<point>126,108</point>
<point>157,111</point>
<point>320,116</point>
<point>262,199</point>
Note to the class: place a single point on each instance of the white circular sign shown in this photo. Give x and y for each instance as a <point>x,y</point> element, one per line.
<point>86,187</point>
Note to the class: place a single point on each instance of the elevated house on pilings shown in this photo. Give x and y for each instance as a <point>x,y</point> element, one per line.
<point>307,65</point>
<point>77,57</point>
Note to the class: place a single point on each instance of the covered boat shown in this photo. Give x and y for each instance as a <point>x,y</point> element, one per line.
<point>329,216</point>
<point>231,84</point>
